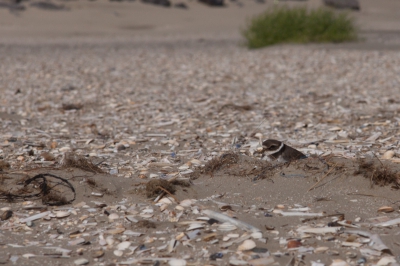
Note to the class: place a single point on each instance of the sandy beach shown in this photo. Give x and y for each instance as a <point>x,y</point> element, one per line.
<point>128,137</point>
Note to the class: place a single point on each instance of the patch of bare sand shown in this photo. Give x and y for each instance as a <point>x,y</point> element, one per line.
<point>232,188</point>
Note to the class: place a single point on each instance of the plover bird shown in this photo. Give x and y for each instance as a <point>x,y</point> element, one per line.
<point>276,150</point>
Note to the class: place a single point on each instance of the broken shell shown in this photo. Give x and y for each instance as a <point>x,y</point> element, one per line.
<point>388,154</point>
<point>62,214</point>
<point>77,241</point>
<point>81,261</point>
<point>387,261</point>
<point>115,231</point>
<point>293,244</point>
<point>262,261</point>
<point>237,262</point>
<point>166,200</point>
<point>226,227</point>
<point>320,249</point>
<point>385,209</point>
<point>131,218</point>
<point>123,245</point>
<point>195,226</point>
<point>335,129</point>
<point>247,245</point>
<point>332,252</point>
<point>118,253</point>
<point>256,235</point>
<point>186,203</point>
<point>339,262</point>
<point>112,217</point>
<point>177,262</point>
<point>172,245</point>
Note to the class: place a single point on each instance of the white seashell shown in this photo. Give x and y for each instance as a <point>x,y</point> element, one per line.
<point>226,227</point>
<point>81,261</point>
<point>166,200</point>
<point>195,226</point>
<point>320,249</point>
<point>35,217</point>
<point>186,172</point>
<point>388,155</point>
<point>339,262</point>
<point>184,167</point>
<point>314,263</point>
<point>99,204</point>
<point>102,242</point>
<point>193,234</point>
<point>186,203</point>
<point>172,245</point>
<point>386,261</point>
<point>28,255</point>
<point>262,261</point>
<point>76,241</point>
<point>256,235</point>
<point>123,245</point>
<point>114,231</point>
<point>131,218</point>
<point>237,262</point>
<point>132,233</point>
<point>196,162</point>
<point>179,208</point>
<point>335,129</point>
<point>163,207</point>
<point>110,241</point>
<point>177,262</point>
<point>112,217</point>
<point>247,245</point>
<point>118,253</point>
<point>62,214</point>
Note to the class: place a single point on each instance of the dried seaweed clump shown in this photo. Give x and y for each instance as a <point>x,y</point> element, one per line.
<point>225,159</point>
<point>51,189</point>
<point>266,171</point>
<point>156,186</point>
<point>54,198</point>
<point>377,173</point>
<point>71,159</point>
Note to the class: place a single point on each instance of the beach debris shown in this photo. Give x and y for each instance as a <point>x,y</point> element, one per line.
<point>226,219</point>
<point>247,245</point>
<point>203,144</point>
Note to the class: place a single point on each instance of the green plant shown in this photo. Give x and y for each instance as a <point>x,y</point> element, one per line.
<point>299,25</point>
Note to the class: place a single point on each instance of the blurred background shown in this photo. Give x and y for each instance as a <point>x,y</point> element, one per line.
<point>109,21</point>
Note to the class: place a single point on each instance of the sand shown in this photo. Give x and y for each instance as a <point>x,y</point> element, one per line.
<point>104,78</point>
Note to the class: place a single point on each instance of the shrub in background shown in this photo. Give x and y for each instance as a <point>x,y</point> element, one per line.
<point>299,25</point>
